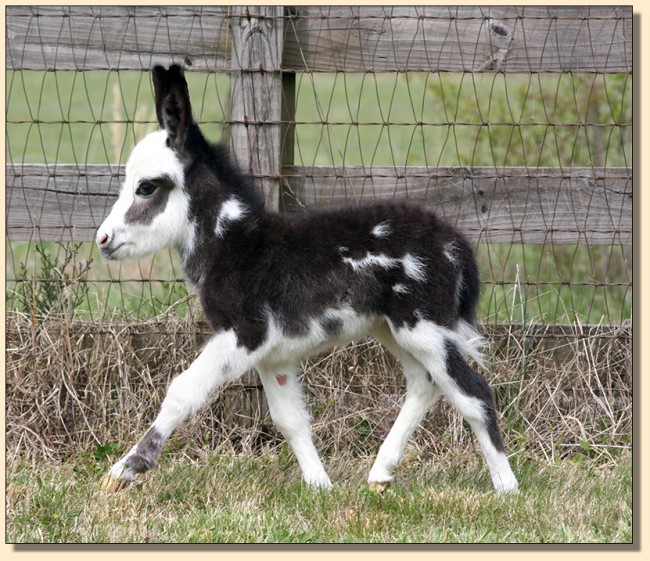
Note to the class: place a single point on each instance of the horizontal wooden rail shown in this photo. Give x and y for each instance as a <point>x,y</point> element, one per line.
<point>117,37</point>
<point>460,39</point>
<point>328,39</point>
<point>492,205</point>
<point>61,202</point>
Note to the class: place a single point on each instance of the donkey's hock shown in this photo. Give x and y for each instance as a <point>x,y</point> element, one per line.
<point>278,287</point>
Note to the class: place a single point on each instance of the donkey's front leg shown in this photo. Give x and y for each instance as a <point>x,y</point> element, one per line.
<point>220,361</point>
<point>289,413</point>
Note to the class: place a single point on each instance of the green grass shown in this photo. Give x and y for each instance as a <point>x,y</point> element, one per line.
<point>94,117</point>
<point>554,120</point>
<point>146,288</point>
<point>228,498</point>
<point>526,283</point>
<point>396,119</point>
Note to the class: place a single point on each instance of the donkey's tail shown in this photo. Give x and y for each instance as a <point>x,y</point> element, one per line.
<point>470,288</point>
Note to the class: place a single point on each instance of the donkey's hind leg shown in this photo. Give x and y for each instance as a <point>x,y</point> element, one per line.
<point>421,396</point>
<point>437,349</point>
<point>289,413</point>
<point>472,396</point>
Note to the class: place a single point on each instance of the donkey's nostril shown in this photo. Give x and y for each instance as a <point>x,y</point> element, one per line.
<point>101,240</point>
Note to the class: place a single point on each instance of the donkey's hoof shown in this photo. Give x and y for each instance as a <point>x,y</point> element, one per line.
<point>379,486</point>
<point>111,484</point>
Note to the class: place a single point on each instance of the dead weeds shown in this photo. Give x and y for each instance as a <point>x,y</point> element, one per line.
<point>75,386</point>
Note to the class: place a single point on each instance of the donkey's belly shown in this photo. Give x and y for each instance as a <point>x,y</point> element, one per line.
<point>335,327</point>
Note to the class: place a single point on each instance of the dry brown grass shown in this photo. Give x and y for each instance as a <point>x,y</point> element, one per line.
<point>74,386</point>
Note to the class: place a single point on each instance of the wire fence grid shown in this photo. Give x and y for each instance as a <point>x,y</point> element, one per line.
<point>514,123</point>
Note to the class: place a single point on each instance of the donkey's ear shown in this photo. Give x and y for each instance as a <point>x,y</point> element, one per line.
<point>173,107</point>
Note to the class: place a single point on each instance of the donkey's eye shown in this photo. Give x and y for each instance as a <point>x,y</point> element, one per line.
<point>145,189</point>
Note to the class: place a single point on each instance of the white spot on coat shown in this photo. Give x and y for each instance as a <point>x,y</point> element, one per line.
<point>400,288</point>
<point>372,260</point>
<point>231,211</point>
<point>414,267</point>
<point>382,230</point>
<point>451,252</point>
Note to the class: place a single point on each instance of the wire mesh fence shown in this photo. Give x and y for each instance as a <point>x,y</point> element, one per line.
<point>389,103</point>
<point>514,123</point>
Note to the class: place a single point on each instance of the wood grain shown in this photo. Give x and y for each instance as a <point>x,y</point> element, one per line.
<point>504,205</point>
<point>460,39</point>
<point>117,37</point>
<point>262,46</point>
<point>62,202</point>
<point>492,205</point>
<point>256,95</point>
<point>328,39</point>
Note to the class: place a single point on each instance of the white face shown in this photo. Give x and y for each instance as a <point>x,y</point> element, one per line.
<point>152,211</point>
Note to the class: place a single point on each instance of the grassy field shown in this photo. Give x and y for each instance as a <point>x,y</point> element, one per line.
<point>227,475</point>
<point>360,119</point>
<point>577,491</point>
<point>227,498</point>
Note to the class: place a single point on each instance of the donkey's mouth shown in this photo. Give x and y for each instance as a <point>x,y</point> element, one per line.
<point>112,252</point>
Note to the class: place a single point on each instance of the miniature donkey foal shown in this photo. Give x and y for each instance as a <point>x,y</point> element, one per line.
<point>278,287</point>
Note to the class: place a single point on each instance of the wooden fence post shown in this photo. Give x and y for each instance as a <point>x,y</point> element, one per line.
<point>259,141</point>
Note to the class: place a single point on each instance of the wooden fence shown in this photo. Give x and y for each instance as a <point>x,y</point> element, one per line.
<point>263,48</point>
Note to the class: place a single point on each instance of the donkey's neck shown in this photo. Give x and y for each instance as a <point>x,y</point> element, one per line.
<point>223,203</point>
<point>217,228</point>
<point>191,256</point>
